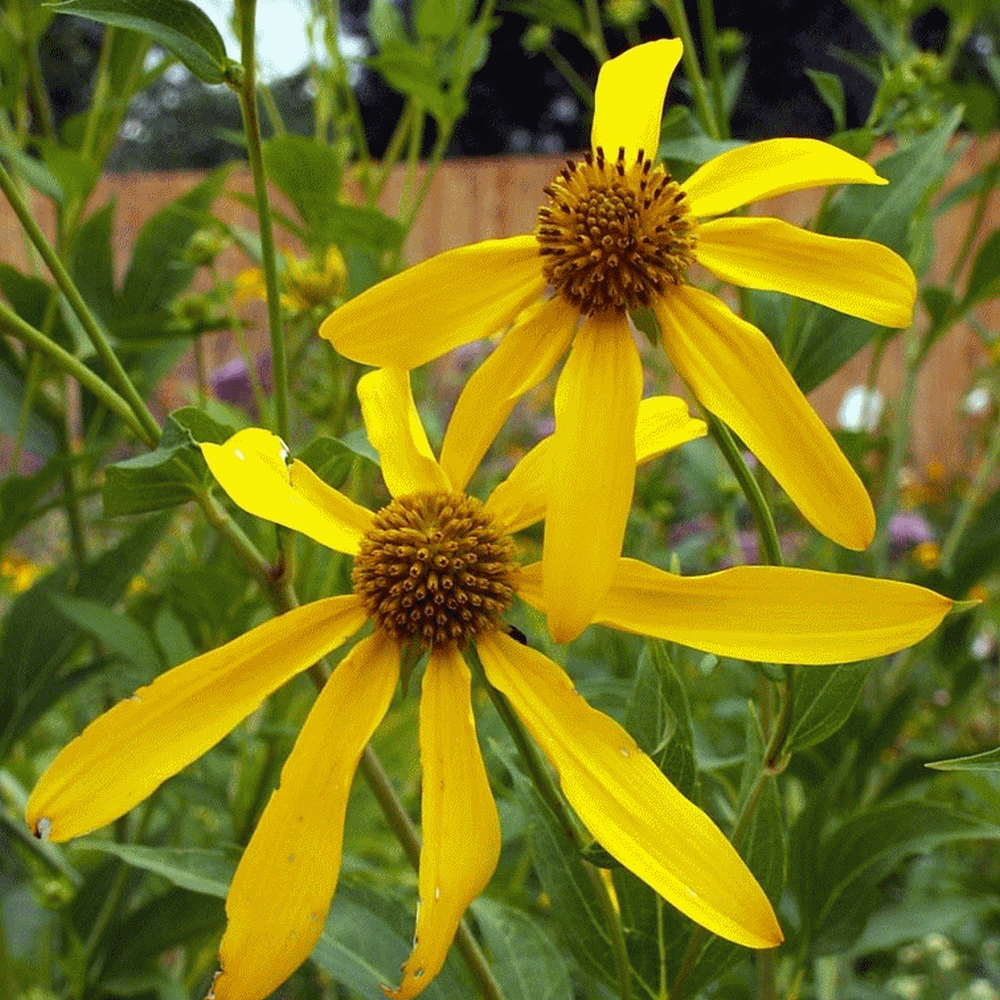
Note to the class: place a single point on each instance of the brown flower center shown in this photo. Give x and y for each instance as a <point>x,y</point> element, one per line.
<point>434,567</point>
<point>614,236</point>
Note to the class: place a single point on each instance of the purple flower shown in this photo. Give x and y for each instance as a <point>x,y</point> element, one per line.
<point>231,382</point>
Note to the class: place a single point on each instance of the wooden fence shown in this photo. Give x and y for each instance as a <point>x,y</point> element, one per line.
<point>471,200</point>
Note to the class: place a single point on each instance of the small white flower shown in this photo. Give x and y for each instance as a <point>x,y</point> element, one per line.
<point>860,409</point>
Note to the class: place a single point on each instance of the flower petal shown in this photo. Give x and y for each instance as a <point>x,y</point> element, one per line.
<point>123,755</point>
<point>736,374</point>
<point>777,257</point>
<point>628,102</point>
<point>282,889</point>
<point>251,468</point>
<point>519,501</point>
<point>396,433</point>
<point>627,804</point>
<point>527,353</point>
<point>438,304</point>
<point>461,830</point>
<point>592,469</point>
<point>772,613</point>
<point>769,168</point>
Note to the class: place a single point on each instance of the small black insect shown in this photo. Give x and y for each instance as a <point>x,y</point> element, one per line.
<point>515,633</point>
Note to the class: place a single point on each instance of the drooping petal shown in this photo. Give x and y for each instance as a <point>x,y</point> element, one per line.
<point>628,102</point>
<point>527,353</point>
<point>428,309</point>
<point>769,168</point>
<point>251,468</point>
<point>856,277</point>
<point>736,374</point>
<point>772,613</point>
<point>123,755</point>
<point>461,831</point>
<point>282,889</point>
<point>519,501</point>
<point>592,469</point>
<point>627,804</point>
<point>396,433</point>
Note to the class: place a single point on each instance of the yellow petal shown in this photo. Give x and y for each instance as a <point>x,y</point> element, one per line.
<point>736,374</point>
<point>397,434</point>
<point>627,804</point>
<point>628,102</point>
<point>519,501</point>
<point>461,831</point>
<point>251,468</point>
<point>772,167</point>
<point>777,257</point>
<point>123,755</point>
<point>593,470</point>
<point>527,353</point>
<point>771,613</point>
<point>282,889</point>
<point>441,303</point>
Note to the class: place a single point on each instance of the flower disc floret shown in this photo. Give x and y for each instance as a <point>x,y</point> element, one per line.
<point>434,567</point>
<point>614,236</point>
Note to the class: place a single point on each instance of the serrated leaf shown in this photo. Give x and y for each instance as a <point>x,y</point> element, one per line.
<point>526,963</point>
<point>177,25</point>
<point>831,90</point>
<point>823,700</point>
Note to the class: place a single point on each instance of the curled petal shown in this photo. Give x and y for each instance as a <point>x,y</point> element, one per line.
<point>123,755</point>
<point>627,804</point>
<point>282,889</point>
<point>771,613</point>
<point>396,433</point>
<point>769,168</point>
<point>774,256</point>
<point>461,831</point>
<point>628,102</point>
<point>423,312</point>
<point>519,501</point>
<point>592,469</point>
<point>527,353</point>
<point>736,374</point>
<point>251,468</point>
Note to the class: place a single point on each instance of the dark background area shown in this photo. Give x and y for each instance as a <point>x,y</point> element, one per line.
<point>518,102</point>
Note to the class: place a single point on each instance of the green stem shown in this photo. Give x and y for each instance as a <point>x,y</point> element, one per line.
<point>247,93</point>
<point>542,781</point>
<point>971,500</point>
<point>39,94</point>
<point>770,545</point>
<point>976,222</point>
<point>710,46</point>
<point>150,429</point>
<point>397,818</point>
<point>673,10</point>
<point>580,86</point>
<point>32,385</point>
<point>11,323</point>
<point>594,39</point>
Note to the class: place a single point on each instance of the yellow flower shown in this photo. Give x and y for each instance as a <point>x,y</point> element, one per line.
<point>618,233</point>
<point>21,572</point>
<point>435,567</point>
<point>313,282</point>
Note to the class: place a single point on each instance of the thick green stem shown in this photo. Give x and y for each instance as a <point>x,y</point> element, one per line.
<point>594,39</point>
<point>710,46</point>
<point>247,93</point>
<point>12,324</point>
<point>150,429</point>
<point>673,10</point>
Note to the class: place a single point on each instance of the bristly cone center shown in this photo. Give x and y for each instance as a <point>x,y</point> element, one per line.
<point>614,236</point>
<point>435,568</point>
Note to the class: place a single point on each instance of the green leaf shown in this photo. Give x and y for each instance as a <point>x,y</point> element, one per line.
<point>330,459</point>
<point>575,906</point>
<point>21,496</point>
<point>564,14</point>
<point>988,760</point>
<point>201,870</point>
<point>158,271</point>
<point>526,963</point>
<point>984,279</point>
<point>168,475</point>
<point>831,91</point>
<point>435,19</point>
<point>412,73</point>
<point>894,926</point>
<point>866,848</point>
<point>75,173</point>
<point>308,172</point>
<point>34,172</point>
<point>177,25</point>
<point>29,297</point>
<point>823,700</point>
<point>685,146</point>
<point>385,22</point>
<point>979,552</point>
<point>121,634</point>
